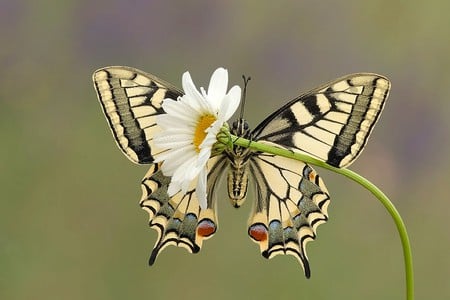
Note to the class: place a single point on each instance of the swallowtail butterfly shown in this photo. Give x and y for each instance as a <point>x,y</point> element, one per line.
<point>331,123</point>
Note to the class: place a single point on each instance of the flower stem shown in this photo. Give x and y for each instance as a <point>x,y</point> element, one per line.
<point>401,228</point>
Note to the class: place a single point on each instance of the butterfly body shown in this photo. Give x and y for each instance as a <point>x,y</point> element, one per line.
<point>331,123</point>
<point>238,173</point>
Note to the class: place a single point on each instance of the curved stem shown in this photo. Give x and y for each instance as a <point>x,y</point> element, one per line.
<point>401,228</point>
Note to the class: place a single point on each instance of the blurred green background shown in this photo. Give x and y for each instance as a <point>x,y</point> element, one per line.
<point>70,224</point>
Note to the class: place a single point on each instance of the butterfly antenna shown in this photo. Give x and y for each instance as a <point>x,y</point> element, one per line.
<point>244,94</point>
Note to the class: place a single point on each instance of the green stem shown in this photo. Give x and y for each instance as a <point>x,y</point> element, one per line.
<point>407,254</point>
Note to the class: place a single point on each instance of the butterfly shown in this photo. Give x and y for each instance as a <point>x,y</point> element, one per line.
<point>331,123</point>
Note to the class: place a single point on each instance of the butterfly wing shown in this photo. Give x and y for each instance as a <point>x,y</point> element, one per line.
<point>179,220</point>
<point>332,122</point>
<point>131,99</point>
<point>291,202</point>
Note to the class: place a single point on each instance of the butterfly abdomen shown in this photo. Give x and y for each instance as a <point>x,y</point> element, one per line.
<point>239,170</point>
<point>238,180</point>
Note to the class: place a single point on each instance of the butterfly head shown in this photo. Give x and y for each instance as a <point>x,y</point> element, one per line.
<point>240,128</point>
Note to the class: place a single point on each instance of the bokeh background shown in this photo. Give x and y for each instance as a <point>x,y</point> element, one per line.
<point>70,224</point>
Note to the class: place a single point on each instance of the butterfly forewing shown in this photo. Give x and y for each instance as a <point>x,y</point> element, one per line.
<point>130,100</point>
<point>331,122</point>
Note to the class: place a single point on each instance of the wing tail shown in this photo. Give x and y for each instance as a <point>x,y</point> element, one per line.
<point>178,220</point>
<point>291,202</point>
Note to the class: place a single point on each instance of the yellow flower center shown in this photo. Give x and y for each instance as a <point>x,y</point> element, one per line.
<point>200,130</point>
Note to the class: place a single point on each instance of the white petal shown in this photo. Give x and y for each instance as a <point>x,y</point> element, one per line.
<point>172,143</point>
<point>218,87</point>
<point>170,122</point>
<point>204,93</point>
<point>210,138</point>
<point>175,133</point>
<point>185,170</point>
<point>201,189</point>
<point>192,97</point>
<point>174,187</point>
<point>173,136</point>
<point>179,109</point>
<point>168,168</point>
<point>185,186</point>
<point>202,162</point>
<point>186,173</point>
<point>173,154</point>
<point>230,103</point>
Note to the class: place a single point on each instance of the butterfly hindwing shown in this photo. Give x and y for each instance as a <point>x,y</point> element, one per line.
<point>131,99</point>
<point>179,220</point>
<point>331,122</point>
<point>291,201</point>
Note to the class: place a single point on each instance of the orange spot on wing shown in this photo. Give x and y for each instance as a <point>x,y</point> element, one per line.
<point>206,227</point>
<point>258,232</point>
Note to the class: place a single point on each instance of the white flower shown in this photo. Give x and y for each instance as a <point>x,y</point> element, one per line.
<point>189,130</point>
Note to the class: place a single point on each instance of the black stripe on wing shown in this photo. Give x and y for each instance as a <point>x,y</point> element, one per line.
<point>179,220</point>
<point>332,122</point>
<point>131,99</point>
<point>292,201</point>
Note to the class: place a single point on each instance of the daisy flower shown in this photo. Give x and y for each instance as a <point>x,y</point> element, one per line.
<point>189,129</point>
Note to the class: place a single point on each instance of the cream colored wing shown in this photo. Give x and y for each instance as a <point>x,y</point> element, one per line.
<point>131,99</point>
<point>179,220</point>
<point>332,122</point>
<point>291,201</point>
